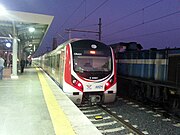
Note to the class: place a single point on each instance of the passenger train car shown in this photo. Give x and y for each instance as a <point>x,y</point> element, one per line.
<point>84,69</point>
<point>150,75</point>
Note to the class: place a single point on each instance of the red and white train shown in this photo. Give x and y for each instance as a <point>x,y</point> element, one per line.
<point>84,69</point>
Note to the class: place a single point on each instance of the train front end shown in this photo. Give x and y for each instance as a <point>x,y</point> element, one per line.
<point>93,72</point>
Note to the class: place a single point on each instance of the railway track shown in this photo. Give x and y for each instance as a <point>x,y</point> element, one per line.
<point>108,122</point>
<point>129,118</point>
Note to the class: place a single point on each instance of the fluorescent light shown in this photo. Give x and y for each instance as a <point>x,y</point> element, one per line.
<point>8,45</point>
<point>31,29</point>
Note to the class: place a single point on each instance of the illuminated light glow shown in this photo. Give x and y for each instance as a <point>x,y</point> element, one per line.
<point>94,46</point>
<point>10,36</point>
<point>8,45</point>
<point>74,81</point>
<point>29,56</point>
<point>34,48</point>
<point>92,52</point>
<point>31,29</point>
<point>79,85</point>
<point>3,10</point>
<point>107,84</point>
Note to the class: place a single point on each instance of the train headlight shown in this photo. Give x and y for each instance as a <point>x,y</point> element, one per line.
<point>77,84</point>
<point>109,83</point>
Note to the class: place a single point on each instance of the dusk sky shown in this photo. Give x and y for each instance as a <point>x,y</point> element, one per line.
<point>152,23</point>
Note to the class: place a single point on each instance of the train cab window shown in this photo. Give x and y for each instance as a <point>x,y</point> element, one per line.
<point>58,56</point>
<point>87,66</point>
<point>83,63</point>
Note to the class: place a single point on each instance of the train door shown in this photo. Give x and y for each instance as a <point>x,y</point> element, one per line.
<point>61,68</point>
<point>57,67</point>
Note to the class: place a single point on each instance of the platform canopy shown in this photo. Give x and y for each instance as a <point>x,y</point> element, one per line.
<point>24,33</point>
<point>28,28</point>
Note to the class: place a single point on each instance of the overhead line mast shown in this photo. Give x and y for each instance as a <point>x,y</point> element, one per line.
<point>87,31</point>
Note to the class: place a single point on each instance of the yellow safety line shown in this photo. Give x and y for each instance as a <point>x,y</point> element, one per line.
<point>60,122</point>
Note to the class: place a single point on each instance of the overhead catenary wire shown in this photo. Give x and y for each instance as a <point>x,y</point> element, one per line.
<point>91,13</point>
<point>148,34</point>
<point>67,19</point>
<point>62,36</point>
<point>145,22</point>
<point>73,13</point>
<point>91,25</point>
<point>130,14</point>
<point>85,13</point>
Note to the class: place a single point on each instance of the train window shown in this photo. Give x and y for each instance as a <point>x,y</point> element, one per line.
<point>146,54</point>
<point>89,63</point>
<point>47,61</point>
<point>161,55</point>
<point>58,56</point>
<point>61,67</point>
<point>87,66</point>
<point>51,61</point>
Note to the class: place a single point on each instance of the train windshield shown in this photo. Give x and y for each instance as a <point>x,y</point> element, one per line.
<point>92,67</point>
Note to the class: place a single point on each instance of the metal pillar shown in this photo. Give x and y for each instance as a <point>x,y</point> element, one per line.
<point>15,47</point>
<point>100,32</point>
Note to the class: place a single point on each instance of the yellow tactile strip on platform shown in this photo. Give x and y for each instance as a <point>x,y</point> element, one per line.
<point>60,122</point>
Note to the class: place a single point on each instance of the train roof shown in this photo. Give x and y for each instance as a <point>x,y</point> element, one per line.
<point>156,49</point>
<point>62,46</point>
<point>127,46</point>
<point>170,52</point>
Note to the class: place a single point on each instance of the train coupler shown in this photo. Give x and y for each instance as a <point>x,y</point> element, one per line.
<point>94,99</point>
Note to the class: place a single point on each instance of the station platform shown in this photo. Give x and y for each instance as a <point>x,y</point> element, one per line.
<point>34,105</point>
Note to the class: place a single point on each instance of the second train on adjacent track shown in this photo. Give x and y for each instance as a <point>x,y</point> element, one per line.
<point>150,76</point>
<point>84,69</point>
